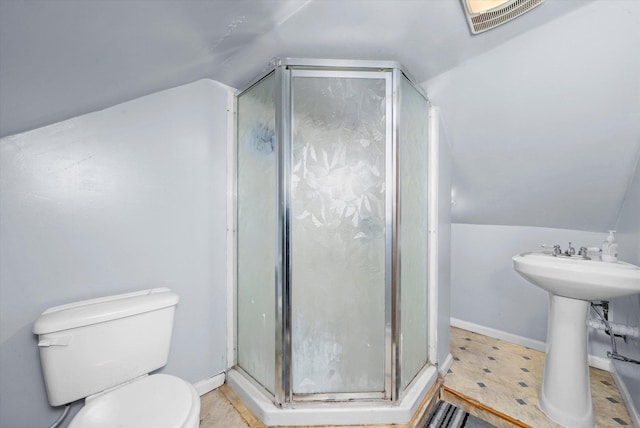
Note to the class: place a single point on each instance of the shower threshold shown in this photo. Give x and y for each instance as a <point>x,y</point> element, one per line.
<point>337,413</point>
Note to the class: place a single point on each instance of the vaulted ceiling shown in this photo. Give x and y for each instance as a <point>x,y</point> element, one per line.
<point>543,113</point>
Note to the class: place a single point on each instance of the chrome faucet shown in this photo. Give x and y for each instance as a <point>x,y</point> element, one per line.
<point>570,251</point>
<point>583,252</point>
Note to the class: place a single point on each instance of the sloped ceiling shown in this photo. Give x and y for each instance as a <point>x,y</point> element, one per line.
<point>62,58</point>
<point>546,127</point>
<point>542,112</point>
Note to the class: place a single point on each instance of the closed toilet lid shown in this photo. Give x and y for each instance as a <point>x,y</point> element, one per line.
<point>157,401</point>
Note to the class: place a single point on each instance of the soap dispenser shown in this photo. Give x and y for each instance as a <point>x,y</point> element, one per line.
<point>610,248</point>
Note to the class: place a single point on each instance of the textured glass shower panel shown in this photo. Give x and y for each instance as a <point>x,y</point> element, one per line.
<point>338,235</point>
<point>413,160</point>
<point>256,240</point>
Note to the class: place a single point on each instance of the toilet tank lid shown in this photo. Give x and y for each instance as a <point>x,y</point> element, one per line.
<point>93,311</point>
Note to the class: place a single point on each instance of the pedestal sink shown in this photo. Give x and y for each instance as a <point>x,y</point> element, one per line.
<point>572,282</point>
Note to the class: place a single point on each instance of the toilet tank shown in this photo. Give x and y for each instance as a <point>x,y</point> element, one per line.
<point>92,345</point>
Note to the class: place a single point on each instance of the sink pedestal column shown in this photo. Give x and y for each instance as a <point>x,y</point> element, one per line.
<point>565,395</point>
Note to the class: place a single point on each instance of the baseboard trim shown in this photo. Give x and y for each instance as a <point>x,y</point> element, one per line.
<point>499,334</point>
<point>594,361</point>
<point>446,365</point>
<point>626,397</point>
<point>600,363</point>
<point>209,384</point>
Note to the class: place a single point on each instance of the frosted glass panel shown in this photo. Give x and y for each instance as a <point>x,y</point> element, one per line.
<point>413,160</point>
<point>338,235</point>
<point>256,239</point>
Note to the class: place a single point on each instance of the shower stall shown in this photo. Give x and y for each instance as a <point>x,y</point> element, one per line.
<point>332,239</point>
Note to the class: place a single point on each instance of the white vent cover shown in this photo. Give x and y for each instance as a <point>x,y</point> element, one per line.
<point>491,18</point>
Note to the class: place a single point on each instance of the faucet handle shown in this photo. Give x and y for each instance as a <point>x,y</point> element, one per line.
<point>584,252</point>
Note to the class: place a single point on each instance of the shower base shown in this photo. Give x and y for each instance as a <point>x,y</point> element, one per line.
<point>323,413</point>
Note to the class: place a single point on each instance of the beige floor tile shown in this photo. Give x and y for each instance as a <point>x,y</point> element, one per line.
<point>218,412</point>
<point>239,406</point>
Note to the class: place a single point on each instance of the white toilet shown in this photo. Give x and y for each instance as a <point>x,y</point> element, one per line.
<point>103,349</point>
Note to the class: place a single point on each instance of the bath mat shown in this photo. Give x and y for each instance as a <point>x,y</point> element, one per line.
<point>446,415</point>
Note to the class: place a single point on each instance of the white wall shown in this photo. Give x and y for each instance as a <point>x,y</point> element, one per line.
<point>627,310</point>
<point>127,198</point>
<point>628,224</point>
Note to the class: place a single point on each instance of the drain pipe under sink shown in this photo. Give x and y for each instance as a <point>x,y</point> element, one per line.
<point>619,329</point>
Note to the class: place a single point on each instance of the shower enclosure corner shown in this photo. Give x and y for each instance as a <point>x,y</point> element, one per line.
<point>332,232</point>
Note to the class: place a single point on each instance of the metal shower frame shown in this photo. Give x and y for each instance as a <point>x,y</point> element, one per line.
<point>284,70</point>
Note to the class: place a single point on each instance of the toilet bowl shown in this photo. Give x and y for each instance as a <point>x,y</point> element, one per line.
<point>150,402</point>
<point>103,350</point>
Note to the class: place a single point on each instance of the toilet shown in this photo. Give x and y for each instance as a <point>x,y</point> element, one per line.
<point>103,350</point>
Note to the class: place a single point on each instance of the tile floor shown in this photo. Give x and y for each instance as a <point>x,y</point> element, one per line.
<point>500,375</point>
<point>506,377</point>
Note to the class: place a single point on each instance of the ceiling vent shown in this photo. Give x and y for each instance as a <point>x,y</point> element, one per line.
<point>483,15</point>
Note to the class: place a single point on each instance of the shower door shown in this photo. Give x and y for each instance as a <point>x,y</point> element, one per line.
<point>341,194</point>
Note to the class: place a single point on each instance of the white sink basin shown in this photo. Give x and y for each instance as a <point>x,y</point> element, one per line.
<point>577,278</point>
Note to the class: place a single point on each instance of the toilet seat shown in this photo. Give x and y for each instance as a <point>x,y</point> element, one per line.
<point>156,401</point>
